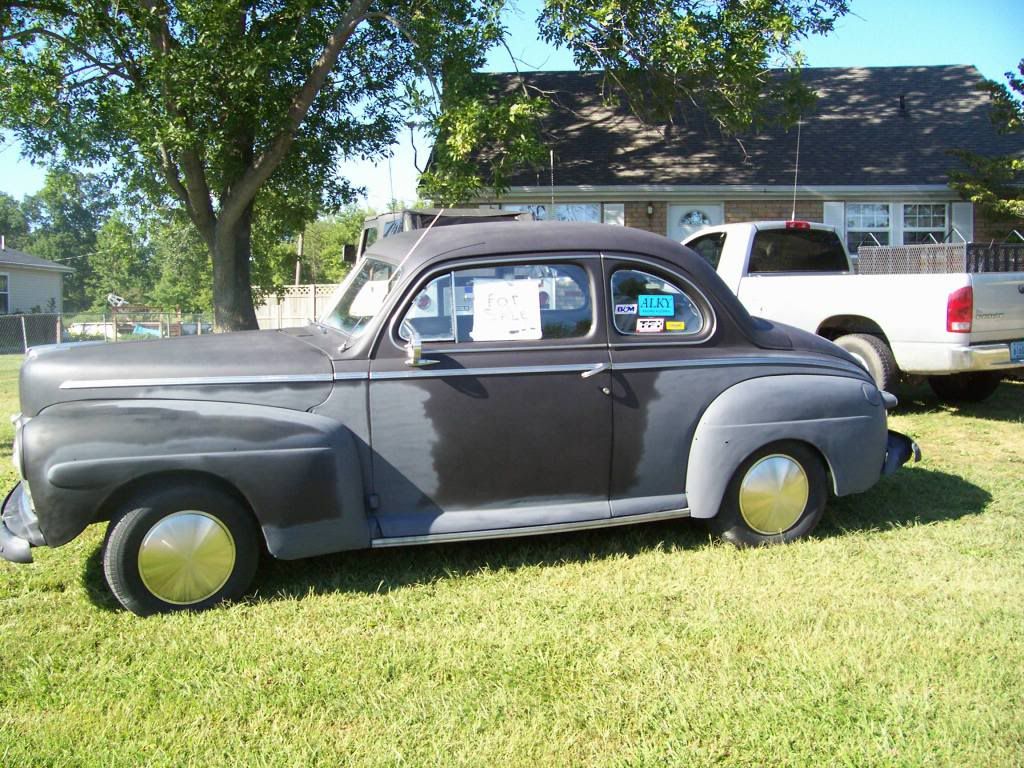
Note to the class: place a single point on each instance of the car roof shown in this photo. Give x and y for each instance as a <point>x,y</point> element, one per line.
<point>421,247</point>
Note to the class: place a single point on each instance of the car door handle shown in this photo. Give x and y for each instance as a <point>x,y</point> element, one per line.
<point>598,368</point>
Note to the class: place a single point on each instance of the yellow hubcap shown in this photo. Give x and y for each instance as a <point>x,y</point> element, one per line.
<point>773,494</point>
<point>186,557</point>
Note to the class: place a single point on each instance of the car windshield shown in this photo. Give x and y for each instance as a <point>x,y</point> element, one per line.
<point>361,297</point>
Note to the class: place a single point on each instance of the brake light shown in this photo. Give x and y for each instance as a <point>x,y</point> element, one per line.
<point>960,310</point>
<point>798,225</point>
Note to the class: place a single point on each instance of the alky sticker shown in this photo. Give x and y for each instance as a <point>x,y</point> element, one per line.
<point>654,305</point>
<point>625,309</point>
<point>650,325</point>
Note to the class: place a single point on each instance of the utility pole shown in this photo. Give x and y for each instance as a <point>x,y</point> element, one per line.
<point>298,258</point>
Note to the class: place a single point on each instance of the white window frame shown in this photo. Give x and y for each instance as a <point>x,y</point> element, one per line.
<point>850,230</point>
<point>7,292</point>
<point>939,232</point>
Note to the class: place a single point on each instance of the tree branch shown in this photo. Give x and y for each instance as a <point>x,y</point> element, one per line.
<point>242,193</point>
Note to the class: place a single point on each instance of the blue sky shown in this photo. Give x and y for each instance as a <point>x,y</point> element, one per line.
<point>986,33</point>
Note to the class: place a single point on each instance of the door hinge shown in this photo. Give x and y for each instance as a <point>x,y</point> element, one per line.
<point>373,501</point>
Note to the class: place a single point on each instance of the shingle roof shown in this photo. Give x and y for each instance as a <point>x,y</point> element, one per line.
<point>11,257</point>
<point>856,135</point>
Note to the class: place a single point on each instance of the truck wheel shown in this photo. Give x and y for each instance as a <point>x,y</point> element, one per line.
<point>184,548</point>
<point>777,495</point>
<point>875,355</point>
<point>965,387</point>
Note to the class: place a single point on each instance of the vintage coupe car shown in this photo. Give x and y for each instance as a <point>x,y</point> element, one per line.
<point>472,382</point>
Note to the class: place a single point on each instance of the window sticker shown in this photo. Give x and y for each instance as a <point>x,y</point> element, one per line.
<point>650,324</point>
<point>370,298</point>
<point>506,310</point>
<point>625,309</point>
<point>653,305</point>
<point>675,325</point>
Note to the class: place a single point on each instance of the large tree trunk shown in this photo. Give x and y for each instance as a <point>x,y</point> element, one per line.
<point>232,284</point>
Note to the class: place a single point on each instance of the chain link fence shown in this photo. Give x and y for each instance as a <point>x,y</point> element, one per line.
<point>19,332</point>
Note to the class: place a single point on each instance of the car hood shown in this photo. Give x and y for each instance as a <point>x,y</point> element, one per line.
<point>260,367</point>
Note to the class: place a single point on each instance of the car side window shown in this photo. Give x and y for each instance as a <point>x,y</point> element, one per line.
<point>709,247</point>
<point>522,302</point>
<point>646,304</point>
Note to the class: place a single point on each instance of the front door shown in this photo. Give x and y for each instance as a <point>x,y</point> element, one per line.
<point>497,428</point>
<point>687,218</point>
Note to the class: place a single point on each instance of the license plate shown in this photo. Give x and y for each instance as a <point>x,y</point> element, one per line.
<point>1017,351</point>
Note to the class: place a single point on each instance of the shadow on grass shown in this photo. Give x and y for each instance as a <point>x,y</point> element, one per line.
<point>912,496</point>
<point>1007,404</point>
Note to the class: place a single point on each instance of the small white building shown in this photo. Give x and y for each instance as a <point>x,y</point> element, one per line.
<point>30,284</point>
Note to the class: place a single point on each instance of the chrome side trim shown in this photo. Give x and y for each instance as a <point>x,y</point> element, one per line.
<point>196,381</point>
<point>513,370</point>
<point>468,347</point>
<point>356,376</point>
<point>533,530</point>
<point>715,362</point>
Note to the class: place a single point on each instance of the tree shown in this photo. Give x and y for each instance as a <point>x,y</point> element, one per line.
<point>241,109</point>
<point>13,224</point>
<point>120,263</point>
<point>64,217</point>
<point>996,183</point>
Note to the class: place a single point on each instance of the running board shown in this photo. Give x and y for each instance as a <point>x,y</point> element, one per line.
<point>532,530</point>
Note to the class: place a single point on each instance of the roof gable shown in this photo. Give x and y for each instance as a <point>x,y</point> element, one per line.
<point>9,257</point>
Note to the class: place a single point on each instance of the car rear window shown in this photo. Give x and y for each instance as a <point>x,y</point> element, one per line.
<point>646,304</point>
<point>797,250</point>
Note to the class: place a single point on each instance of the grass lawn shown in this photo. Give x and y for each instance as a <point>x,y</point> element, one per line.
<point>894,637</point>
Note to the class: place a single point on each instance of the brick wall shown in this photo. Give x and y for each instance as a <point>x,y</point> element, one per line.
<point>987,227</point>
<point>636,217</point>
<point>769,210</point>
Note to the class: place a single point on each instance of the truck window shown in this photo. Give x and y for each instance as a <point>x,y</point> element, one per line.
<point>797,250</point>
<point>709,247</point>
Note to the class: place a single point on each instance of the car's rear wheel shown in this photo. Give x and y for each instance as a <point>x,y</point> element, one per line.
<point>180,548</point>
<point>777,494</point>
<point>874,354</point>
<point>965,387</point>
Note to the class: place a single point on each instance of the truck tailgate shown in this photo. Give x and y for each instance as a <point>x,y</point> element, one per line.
<point>998,306</point>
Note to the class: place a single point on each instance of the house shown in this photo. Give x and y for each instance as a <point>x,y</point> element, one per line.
<point>874,159</point>
<point>29,284</point>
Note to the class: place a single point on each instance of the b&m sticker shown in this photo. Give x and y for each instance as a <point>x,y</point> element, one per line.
<point>650,325</point>
<point>675,325</point>
<point>625,309</point>
<point>651,305</point>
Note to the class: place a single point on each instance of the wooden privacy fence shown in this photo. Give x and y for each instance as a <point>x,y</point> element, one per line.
<point>294,305</point>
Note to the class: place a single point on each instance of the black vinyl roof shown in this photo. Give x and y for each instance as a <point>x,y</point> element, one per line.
<point>870,126</point>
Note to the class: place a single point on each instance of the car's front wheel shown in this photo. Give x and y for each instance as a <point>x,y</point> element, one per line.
<point>777,494</point>
<point>180,548</point>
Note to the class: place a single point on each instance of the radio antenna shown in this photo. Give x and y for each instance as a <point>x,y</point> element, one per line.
<point>796,168</point>
<point>551,155</point>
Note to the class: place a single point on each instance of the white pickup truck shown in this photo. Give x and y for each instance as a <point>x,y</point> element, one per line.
<point>963,330</point>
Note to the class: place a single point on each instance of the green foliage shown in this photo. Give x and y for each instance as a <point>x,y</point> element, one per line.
<point>13,224</point>
<point>121,263</point>
<point>997,183</point>
<point>64,218</point>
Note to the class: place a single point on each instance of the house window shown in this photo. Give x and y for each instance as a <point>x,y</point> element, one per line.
<point>5,294</point>
<point>867,224</point>
<point>924,223</point>
<point>609,213</point>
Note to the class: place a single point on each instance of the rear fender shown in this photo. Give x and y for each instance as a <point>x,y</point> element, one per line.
<point>843,418</point>
<point>298,472</point>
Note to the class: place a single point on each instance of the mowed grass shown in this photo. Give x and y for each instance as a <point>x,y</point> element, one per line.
<point>895,637</point>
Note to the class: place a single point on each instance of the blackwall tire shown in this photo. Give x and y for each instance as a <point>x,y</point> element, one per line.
<point>876,355</point>
<point>965,387</point>
<point>776,495</point>
<point>180,548</point>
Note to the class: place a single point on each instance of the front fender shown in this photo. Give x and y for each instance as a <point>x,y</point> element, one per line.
<point>842,418</point>
<point>299,472</point>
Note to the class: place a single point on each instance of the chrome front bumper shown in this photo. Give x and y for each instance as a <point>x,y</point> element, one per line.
<point>19,528</point>
<point>898,451</point>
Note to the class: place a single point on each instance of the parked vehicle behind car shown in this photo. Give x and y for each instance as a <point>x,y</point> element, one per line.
<point>481,382</point>
<point>962,330</point>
